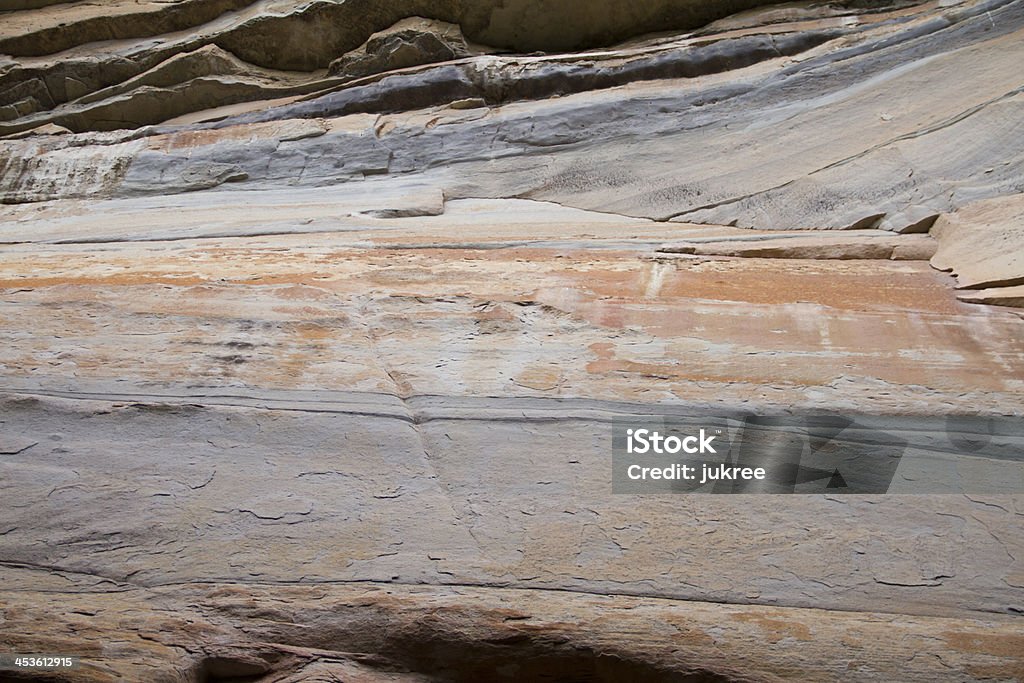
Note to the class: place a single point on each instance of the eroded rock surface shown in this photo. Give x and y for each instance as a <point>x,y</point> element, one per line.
<point>410,42</point>
<point>828,123</point>
<point>980,244</point>
<point>309,373</point>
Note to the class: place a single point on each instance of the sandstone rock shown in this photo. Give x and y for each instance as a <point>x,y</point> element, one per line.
<point>524,25</point>
<point>45,129</point>
<point>1000,296</point>
<point>980,244</point>
<point>845,166</point>
<point>410,42</point>
<point>192,81</point>
<point>852,244</point>
<point>385,632</point>
<point>312,376</point>
<point>468,103</point>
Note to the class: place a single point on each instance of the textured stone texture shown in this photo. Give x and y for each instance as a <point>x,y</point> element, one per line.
<point>311,376</point>
<point>829,124</point>
<point>410,42</point>
<point>468,634</point>
<point>980,244</point>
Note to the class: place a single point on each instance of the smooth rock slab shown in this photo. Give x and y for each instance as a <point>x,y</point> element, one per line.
<point>981,245</point>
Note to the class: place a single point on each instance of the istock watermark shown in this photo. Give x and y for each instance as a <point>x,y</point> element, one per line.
<point>645,440</point>
<point>836,454</point>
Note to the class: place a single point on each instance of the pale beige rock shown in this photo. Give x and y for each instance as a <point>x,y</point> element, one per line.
<point>619,322</point>
<point>981,245</point>
<point>999,296</point>
<point>374,633</point>
<point>849,244</point>
<point>45,129</point>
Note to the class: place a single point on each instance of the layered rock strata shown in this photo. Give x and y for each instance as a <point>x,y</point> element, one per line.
<point>309,372</point>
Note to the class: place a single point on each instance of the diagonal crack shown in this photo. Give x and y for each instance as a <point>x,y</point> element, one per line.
<point>403,391</point>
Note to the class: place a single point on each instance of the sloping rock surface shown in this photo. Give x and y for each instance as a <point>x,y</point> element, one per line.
<point>830,123</point>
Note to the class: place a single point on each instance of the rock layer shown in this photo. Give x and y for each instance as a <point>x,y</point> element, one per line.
<point>980,244</point>
<point>410,42</point>
<point>310,373</point>
<point>466,633</point>
<point>829,124</point>
<point>352,408</point>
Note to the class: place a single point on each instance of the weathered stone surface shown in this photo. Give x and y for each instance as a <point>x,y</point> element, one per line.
<point>619,321</point>
<point>805,126</point>
<point>410,42</point>
<point>850,244</point>
<point>277,34</point>
<point>1002,296</point>
<point>469,633</point>
<point>102,45</point>
<point>311,375</point>
<point>980,244</point>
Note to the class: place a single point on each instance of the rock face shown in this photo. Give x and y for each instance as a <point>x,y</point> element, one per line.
<point>410,42</point>
<point>833,123</point>
<point>980,244</point>
<point>317,318</point>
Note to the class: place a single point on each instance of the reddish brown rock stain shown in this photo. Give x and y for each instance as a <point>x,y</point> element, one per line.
<point>776,629</point>
<point>804,322</point>
<point>1000,645</point>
